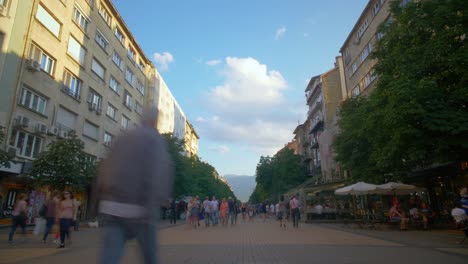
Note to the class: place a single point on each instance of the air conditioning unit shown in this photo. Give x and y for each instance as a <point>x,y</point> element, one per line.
<point>41,129</point>
<point>33,65</point>
<point>12,151</point>
<point>21,121</point>
<point>357,40</point>
<point>62,134</point>
<point>53,131</point>
<point>107,143</point>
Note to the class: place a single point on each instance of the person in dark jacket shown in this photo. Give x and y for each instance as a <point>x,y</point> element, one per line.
<point>134,181</point>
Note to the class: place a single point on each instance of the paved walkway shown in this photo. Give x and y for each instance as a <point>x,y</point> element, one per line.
<point>258,242</point>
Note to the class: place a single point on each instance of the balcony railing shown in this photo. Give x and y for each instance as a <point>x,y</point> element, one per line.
<point>75,94</point>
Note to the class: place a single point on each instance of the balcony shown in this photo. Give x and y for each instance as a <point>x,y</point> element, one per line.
<point>316,126</point>
<point>75,94</point>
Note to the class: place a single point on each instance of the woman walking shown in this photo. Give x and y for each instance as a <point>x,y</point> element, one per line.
<point>224,208</point>
<point>244,211</point>
<point>282,212</point>
<point>19,217</point>
<point>51,214</point>
<point>66,215</point>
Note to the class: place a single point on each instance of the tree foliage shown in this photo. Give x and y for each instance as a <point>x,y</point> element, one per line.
<point>64,165</point>
<point>5,158</point>
<point>418,113</point>
<point>193,176</point>
<point>275,175</point>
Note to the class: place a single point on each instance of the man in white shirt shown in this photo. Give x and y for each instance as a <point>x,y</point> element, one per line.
<point>294,210</point>
<point>319,210</point>
<point>458,214</point>
<point>207,211</point>
<point>214,210</point>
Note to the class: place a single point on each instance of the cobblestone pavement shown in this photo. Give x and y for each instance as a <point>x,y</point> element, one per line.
<point>258,242</point>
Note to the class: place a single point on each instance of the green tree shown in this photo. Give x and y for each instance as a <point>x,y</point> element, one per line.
<point>418,114</point>
<point>193,176</point>
<point>5,158</point>
<point>275,175</point>
<point>64,165</point>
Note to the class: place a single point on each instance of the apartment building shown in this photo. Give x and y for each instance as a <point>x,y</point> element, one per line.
<point>358,66</point>
<point>67,66</point>
<point>315,114</point>
<point>191,139</point>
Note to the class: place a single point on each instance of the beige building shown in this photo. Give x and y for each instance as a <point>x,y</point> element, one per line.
<point>358,66</point>
<point>66,65</point>
<point>191,140</point>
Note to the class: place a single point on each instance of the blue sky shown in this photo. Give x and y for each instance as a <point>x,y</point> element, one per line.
<point>239,68</point>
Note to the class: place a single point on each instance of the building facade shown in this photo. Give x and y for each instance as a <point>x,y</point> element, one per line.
<point>191,139</point>
<point>66,66</point>
<point>358,66</point>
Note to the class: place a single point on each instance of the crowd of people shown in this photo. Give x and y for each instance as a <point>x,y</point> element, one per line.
<point>60,209</point>
<point>226,211</point>
<point>418,210</point>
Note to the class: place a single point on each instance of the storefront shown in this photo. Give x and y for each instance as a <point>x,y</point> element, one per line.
<point>442,184</point>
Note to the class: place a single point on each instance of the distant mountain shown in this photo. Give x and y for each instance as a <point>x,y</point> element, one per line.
<point>242,185</point>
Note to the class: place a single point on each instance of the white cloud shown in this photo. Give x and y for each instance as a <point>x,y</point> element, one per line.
<point>163,60</point>
<point>249,108</point>
<point>306,35</point>
<point>247,81</point>
<point>213,62</point>
<point>280,32</point>
<point>200,119</point>
<point>221,149</point>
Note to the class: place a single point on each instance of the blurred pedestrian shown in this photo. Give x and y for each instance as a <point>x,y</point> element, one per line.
<point>133,182</point>
<point>66,215</point>
<point>51,214</point>
<point>173,215</point>
<point>294,208</point>
<point>19,216</point>
<point>224,210</point>
<point>282,212</point>
<point>207,211</point>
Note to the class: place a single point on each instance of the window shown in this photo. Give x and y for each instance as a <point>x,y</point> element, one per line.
<point>363,28</point>
<point>124,121</point>
<point>33,101</point>
<point>377,6</point>
<point>354,68</point>
<point>111,111</point>
<point>356,91</point>
<point>98,69</point>
<point>108,138</point>
<point>128,100</point>
<point>141,87</point>
<point>114,85</point>
<point>91,130</point>
<point>66,120</point>
<point>94,100</point>
<point>131,54</point>
<point>80,19</point>
<point>129,75</point>
<point>138,108</point>
<point>101,40</point>
<point>347,56</point>
<point>48,21</point>
<point>117,60</point>
<point>29,145</point>
<point>119,35</point>
<point>76,51</point>
<point>47,63</point>
<point>365,52</point>
<point>71,84</point>
<point>105,14</point>
<point>141,66</point>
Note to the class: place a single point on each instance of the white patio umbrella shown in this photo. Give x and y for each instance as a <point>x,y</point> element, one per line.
<point>360,188</point>
<point>397,188</point>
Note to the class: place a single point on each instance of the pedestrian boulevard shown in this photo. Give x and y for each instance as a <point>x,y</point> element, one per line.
<point>257,242</point>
